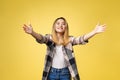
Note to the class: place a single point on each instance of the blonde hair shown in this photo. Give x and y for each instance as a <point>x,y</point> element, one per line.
<point>65,39</point>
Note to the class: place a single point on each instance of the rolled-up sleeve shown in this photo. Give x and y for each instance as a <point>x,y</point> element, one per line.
<point>43,40</point>
<point>78,40</point>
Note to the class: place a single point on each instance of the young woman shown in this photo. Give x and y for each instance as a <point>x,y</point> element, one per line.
<point>60,62</point>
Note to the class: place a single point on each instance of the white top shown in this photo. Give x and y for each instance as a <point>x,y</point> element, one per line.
<point>58,60</point>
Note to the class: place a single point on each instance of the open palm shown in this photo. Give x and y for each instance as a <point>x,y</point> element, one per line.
<point>28,29</point>
<point>99,28</point>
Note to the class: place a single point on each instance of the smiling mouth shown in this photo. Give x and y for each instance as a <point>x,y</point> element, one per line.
<point>59,28</point>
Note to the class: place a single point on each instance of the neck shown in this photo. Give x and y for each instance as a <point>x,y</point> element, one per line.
<point>59,35</point>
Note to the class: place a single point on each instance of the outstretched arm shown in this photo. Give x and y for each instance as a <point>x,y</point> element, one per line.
<point>29,30</point>
<point>98,29</point>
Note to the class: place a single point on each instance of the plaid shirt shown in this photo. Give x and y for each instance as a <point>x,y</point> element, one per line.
<point>67,51</point>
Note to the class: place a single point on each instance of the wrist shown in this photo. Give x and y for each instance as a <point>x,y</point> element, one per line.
<point>94,32</point>
<point>32,32</point>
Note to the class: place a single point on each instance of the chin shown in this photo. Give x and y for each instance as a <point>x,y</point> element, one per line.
<point>59,32</point>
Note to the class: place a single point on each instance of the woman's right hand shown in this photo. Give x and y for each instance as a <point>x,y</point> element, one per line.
<point>28,29</point>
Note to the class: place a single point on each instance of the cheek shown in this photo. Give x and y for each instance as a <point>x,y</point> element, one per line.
<point>64,27</point>
<point>56,26</point>
<point>56,29</point>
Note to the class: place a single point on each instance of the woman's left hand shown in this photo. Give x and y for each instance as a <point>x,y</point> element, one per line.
<point>99,28</point>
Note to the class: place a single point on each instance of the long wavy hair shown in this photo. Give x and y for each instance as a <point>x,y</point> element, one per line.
<point>65,39</point>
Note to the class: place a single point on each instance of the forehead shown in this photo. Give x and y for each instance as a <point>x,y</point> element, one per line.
<point>60,20</point>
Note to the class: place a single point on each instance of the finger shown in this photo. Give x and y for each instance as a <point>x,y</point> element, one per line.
<point>104,28</point>
<point>103,25</point>
<point>29,22</point>
<point>30,25</point>
<point>24,29</point>
<point>98,23</point>
<point>25,25</point>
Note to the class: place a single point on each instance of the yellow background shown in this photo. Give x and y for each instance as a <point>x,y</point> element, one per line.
<point>22,58</point>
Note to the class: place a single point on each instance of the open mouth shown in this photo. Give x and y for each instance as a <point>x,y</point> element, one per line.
<point>60,28</point>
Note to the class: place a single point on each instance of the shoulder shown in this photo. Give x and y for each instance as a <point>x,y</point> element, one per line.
<point>71,38</point>
<point>48,36</point>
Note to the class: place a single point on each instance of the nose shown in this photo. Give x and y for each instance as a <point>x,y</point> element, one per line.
<point>61,25</point>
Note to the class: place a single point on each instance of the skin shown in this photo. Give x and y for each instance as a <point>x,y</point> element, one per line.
<point>60,27</point>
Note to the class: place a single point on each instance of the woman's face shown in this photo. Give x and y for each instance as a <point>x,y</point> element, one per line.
<point>60,26</point>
